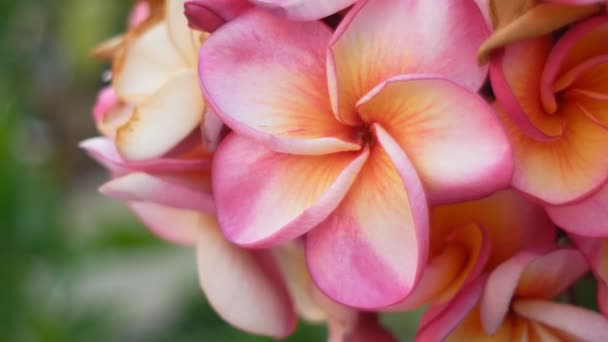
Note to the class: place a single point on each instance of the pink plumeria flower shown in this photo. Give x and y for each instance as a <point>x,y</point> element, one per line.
<point>350,133</point>
<point>473,237</point>
<point>553,100</point>
<point>515,303</point>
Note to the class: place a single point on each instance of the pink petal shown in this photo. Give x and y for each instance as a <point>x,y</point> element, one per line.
<point>139,13</point>
<point>511,222</point>
<point>588,216</point>
<point>519,86</point>
<point>550,275</point>
<point>579,44</point>
<point>516,77</point>
<point>371,251</point>
<point>499,290</point>
<point>209,15</point>
<point>440,320</point>
<point>104,152</point>
<point>464,255</point>
<point>528,276</point>
<point>305,9</point>
<point>383,38</point>
<point>453,137</point>
<point>484,6</point>
<point>265,78</point>
<point>580,323</point>
<point>106,100</point>
<point>264,197</point>
<point>244,287</point>
<point>577,161</point>
<point>175,225</point>
<point>142,187</point>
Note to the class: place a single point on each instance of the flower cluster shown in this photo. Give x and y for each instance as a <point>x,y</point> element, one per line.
<point>333,160</point>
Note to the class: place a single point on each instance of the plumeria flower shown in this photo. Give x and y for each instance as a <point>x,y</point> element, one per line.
<point>516,20</point>
<point>553,100</point>
<point>171,195</point>
<point>471,238</point>
<point>345,136</point>
<point>515,303</point>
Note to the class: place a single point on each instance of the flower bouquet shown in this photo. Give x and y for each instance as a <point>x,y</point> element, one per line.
<point>334,160</point>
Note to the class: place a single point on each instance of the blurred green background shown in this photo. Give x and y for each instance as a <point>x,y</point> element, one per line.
<point>76,266</point>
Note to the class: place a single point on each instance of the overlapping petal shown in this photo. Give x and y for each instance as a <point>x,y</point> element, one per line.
<point>209,15</point>
<point>586,217</point>
<point>470,237</point>
<point>371,250</point>
<point>164,120</point>
<point>575,322</point>
<point>106,99</point>
<point>564,170</point>
<point>304,9</point>
<point>384,38</point>
<point>464,255</point>
<point>439,321</point>
<point>184,39</point>
<point>528,275</point>
<point>511,222</point>
<point>142,187</point>
<point>175,225</point>
<point>104,151</point>
<point>110,113</point>
<point>146,62</point>
<point>244,287</point>
<point>579,46</point>
<point>454,139</point>
<point>264,197</point>
<point>265,78</point>
<point>291,262</point>
<point>516,75</point>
